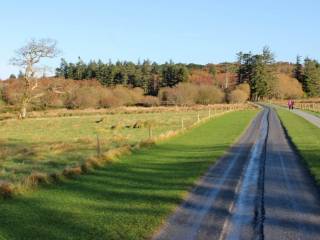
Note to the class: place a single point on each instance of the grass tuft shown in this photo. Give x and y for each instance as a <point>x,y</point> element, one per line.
<point>6,190</point>
<point>35,179</point>
<point>71,172</point>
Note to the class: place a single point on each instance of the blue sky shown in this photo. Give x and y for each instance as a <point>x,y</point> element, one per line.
<point>199,31</point>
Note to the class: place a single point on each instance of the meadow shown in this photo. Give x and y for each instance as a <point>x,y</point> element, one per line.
<point>48,145</point>
<point>128,199</point>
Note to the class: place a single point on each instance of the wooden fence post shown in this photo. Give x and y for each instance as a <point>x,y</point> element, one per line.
<point>98,147</point>
<point>150,131</point>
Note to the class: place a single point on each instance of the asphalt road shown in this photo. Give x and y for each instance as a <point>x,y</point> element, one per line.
<point>259,190</point>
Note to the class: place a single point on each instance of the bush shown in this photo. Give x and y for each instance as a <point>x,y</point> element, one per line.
<point>189,94</point>
<point>288,87</point>
<point>245,87</point>
<point>108,99</point>
<point>186,93</point>
<point>126,96</point>
<point>83,97</point>
<point>12,92</point>
<point>149,101</point>
<point>240,95</point>
<point>237,96</point>
<point>167,96</point>
<point>209,95</point>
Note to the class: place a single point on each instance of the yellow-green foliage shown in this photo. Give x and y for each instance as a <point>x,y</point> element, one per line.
<point>241,94</point>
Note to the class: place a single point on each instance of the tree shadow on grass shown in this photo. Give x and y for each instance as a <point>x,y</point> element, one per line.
<point>122,201</point>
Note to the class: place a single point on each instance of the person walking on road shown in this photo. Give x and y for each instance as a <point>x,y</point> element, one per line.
<point>292,104</point>
<point>289,104</point>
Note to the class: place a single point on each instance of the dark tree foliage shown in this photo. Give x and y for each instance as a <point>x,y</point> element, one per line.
<point>311,77</point>
<point>258,71</point>
<point>20,75</point>
<point>172,74</point>
<point>12,76</point>
<point>147,75</point>
<point>298,70</point>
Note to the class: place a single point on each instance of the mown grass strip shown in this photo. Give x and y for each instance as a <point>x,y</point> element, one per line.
<point>128,199</point>
<point>306,138</point>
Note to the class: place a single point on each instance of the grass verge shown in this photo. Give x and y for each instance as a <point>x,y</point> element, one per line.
<point>317,114</point>
<point>306,138</point>
<point>128,199</point>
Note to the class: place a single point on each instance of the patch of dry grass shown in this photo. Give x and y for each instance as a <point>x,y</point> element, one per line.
<point>40,151</point>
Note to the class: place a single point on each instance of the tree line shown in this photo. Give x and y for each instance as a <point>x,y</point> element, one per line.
<point>260,72</point>
<point>308,74</point>
<point>146,75</point>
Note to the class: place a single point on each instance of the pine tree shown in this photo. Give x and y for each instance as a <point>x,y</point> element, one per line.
<point>298,70</point>
<point>257,70</point>
<point>62,71</point>
<point>311,78</point>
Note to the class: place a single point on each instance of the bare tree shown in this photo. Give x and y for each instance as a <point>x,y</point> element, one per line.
<point>27,57</point>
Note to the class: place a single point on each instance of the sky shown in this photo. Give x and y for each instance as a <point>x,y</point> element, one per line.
<point>188,31</point>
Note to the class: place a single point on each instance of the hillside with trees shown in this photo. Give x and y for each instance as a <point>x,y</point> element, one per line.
<point>99,84</point>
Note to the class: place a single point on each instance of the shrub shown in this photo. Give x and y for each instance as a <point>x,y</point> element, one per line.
<point>245,87</point>
<point>126,96</point>
<point>83,97</point>
<point>108,99</point>
<point>209,95</point>
<point>167,96</point>
<point>149,101</point>
<point>186,94</point>
<point>288,87</point>
<point>237,96</point>
<point>12,91</point>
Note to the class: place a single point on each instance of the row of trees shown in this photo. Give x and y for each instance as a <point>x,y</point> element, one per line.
<point>146,75</point>
<point>261,72</point>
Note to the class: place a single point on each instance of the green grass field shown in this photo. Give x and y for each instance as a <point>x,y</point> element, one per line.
<point>50,144</point>
<point>128,199</point>
<point>306,138</point>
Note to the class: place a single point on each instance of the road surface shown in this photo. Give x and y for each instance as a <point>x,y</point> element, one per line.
<point>259,190</point>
